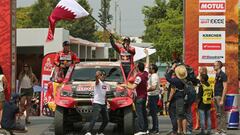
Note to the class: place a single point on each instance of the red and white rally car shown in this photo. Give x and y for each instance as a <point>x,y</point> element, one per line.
<point>73,96</point>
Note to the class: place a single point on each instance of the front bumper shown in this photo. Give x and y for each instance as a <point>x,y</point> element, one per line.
<point>115,103</point>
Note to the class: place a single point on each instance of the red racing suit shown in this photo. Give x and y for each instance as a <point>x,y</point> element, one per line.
<point>126,55</point>
<point>66,58</point>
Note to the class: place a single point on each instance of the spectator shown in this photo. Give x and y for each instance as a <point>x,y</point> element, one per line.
<point>153,93</point>
<point>178,92</point>
<point>171,105</point>
<point>26,81</point>
<point>3,87</point>
<point>140,84</point>
<point>65,58</point>
<point>99,103</point>
<point>220,90</point>
<point>10,112</point>
<point>126,52</point>
<point>202,70</point>
<point>204,99</point>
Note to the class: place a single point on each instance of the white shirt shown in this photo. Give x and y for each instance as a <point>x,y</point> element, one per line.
<point>100,93</point>
<point>26,82</point>
<point>1,83</point>
<point>153,81</point>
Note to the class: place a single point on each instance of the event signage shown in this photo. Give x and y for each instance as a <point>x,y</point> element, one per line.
<point>211,46</point>
<point>212,5</point>
<point>212,22</point>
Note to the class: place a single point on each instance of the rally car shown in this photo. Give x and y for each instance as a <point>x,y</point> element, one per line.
<point>73,96</point>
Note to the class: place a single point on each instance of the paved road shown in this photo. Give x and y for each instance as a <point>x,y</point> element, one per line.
<point>44,126</point>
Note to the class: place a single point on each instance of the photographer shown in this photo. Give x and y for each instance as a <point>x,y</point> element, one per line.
<point>178,92</point>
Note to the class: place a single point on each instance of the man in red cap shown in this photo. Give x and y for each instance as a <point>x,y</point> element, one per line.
<point>65,58</point>
<point>126,53</point>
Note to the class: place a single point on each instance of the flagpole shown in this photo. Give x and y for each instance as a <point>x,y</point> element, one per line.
<point>102,26</point>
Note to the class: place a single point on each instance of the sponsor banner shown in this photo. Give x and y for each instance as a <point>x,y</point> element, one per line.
<point>211,46</point>
<point>6,45</point>
<point>47,67</point>
<point>212,5</point>
<point>212,21</point>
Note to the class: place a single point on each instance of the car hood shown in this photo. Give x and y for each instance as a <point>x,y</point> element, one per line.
<point>90,86</point>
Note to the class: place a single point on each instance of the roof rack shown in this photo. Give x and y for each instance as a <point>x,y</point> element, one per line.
<point>110,60</point>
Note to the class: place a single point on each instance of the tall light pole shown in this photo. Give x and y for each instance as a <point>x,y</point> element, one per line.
<point>115,17</point>
<point>120,20</point>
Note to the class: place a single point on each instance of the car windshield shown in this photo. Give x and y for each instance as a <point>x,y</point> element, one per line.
<point>114,74</point>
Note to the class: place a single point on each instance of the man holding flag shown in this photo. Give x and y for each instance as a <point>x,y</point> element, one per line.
<point>126,54</point>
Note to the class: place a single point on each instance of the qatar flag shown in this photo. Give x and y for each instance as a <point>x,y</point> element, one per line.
<point>65,10</point>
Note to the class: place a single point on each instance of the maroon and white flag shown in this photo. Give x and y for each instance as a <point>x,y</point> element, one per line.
<point>65,10</point>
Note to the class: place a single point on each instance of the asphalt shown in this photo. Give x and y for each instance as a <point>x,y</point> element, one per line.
<point>42,125</point>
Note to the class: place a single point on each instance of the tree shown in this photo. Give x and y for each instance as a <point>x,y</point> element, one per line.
<point>38,18</point>
<point>164,28</point>
<point>105,17</point>
<point>23,18</point>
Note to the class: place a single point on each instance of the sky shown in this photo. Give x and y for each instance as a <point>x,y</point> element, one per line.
<point>132,19</point>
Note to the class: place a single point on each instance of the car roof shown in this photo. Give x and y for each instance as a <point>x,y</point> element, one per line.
<point>98,63</point>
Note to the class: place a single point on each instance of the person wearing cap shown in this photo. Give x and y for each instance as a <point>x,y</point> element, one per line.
<point>65,58</point>
<point>10,112</point>
<point>126,53</point>
<point>99,103</point>
<point>178,92</point>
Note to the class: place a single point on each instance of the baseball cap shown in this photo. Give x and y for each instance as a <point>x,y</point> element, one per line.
<point>66,43</point>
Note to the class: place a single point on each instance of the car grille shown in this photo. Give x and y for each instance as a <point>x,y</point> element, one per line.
<point>90,94</point>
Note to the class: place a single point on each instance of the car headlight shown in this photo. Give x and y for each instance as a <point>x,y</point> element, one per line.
<point>65,93</point>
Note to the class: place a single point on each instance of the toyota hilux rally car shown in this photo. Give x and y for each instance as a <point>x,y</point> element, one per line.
<point>73,96</point>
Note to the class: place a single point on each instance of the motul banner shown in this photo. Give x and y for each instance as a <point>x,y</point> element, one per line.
<point>47,68</point>
<point>212,5</point>
<point>208,39</point>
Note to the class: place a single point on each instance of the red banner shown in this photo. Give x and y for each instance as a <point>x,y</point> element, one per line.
<point>5,40</point>
<point>218,40</point>
<point>47,67</point>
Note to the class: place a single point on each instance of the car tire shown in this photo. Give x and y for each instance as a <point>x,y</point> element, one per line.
<point>59,121</point>
<point>128,121</point>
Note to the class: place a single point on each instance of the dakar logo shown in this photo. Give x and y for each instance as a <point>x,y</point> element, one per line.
<point>48,66</point>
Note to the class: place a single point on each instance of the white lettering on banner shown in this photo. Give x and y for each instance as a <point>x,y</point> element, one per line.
<point>212,6</point>
<point>66,57</point>
<point>212,22</point>
<point>211,46</point>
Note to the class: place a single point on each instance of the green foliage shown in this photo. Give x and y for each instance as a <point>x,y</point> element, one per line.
<point>164,28</point>
<point>23,18</point>
<point>37,17</point>
<point>105,17</point>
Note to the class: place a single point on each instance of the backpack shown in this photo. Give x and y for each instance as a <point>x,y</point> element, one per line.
<point>190,93</point>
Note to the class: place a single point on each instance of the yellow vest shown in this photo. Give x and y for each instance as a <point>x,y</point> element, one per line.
<point>207,94</point>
